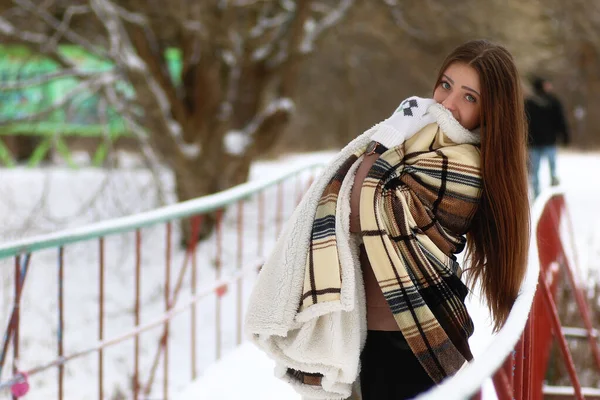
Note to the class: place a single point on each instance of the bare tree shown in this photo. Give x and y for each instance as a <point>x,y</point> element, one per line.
<point>235,89</point>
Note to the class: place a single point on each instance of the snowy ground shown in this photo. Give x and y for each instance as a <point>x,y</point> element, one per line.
<point>36,201</point>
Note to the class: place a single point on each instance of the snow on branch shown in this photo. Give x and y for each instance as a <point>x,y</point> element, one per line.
<point>288,5</point>
<point>281,104</point>
<point>189,150</point>
<point>313,28</point>
<point>266,23</point>
<point>270,30</point>
<point>44,78</point>
<point>120,48</point>
<point>231,57</point>
<point>90,86</point>
<point>237,141</point>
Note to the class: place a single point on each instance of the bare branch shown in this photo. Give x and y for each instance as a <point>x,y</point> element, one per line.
<point>64,25</point>
<point>45,78</point>
<point>130,16</point>
<point>265,23</point>
<point>268,34</point>
<point>276,106</point>
<point>37,39</point>
<point>313,29</point>
<point>246,3</point>
<point>74,37</point>
<point>233,60</point>
<point>8,29</point>
<point>248,141</point>
<point>130,119</point>
<point>273,39</point>
<point>122,50</point>
<point>398,16</point>
<point>91,86</point>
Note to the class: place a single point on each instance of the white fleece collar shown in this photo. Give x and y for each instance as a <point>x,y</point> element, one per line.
<point>451,127</point>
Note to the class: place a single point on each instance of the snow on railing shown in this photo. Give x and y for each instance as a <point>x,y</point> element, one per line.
<point>177,211</point>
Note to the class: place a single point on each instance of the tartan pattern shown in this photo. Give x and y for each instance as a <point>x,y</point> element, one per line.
<point>320,284</point>
<point>416,204</point>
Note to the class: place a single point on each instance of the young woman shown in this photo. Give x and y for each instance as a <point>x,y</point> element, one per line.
<point>362,295</point>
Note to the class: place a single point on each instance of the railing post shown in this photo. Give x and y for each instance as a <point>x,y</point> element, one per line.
<point>101,319</point>
<point>61,367</point>
<point>502,385</point>
<point>17,315</point>
<point>562,343</point>
<point>527,366</point>
<point>518,370</point>
<point>136,340</point>
<point>240,260</point>
<point>190,257</point>
<point>196,227</point>
<point>14,315</point>
<point>583,308</point>
<point>218,261</point>
<point>167,308</point>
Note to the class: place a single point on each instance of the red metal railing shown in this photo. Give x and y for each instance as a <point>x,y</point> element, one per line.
<point>518,359</point>
<point>544,324</point>
<point>136,281</point>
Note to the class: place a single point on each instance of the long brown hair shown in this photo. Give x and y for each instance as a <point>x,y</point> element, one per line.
<point>498,240</point>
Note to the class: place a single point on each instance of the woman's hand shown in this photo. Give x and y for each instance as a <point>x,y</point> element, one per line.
<point>407,120</point>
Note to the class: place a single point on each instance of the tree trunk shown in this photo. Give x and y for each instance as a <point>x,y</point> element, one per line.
<point>208,174</point>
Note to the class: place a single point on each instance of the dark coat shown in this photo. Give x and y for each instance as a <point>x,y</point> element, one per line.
<point>547,122</point>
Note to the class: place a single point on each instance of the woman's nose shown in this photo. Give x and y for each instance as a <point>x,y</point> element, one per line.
<point>450,102</point>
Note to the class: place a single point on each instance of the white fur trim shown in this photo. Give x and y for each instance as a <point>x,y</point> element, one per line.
<point>451,127</point>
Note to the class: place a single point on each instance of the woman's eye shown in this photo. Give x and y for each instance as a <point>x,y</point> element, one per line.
<point>471,98</point>
<point>445,85</point>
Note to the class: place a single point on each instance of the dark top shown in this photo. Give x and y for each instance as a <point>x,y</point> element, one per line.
<point>547,122</point>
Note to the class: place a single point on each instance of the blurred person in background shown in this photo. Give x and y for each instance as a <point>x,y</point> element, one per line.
<point>547,128</point>
<point>362,297</point>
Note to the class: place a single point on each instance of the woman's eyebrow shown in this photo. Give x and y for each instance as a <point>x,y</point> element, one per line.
<point>471,90</point>
<point>450,79</point>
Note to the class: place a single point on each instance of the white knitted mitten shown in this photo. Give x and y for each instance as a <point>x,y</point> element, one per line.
<point>409,118</point>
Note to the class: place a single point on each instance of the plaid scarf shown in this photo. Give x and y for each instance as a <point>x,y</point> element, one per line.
<point>416,204</point>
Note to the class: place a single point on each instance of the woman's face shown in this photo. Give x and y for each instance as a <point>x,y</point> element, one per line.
<point>459,91</point>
